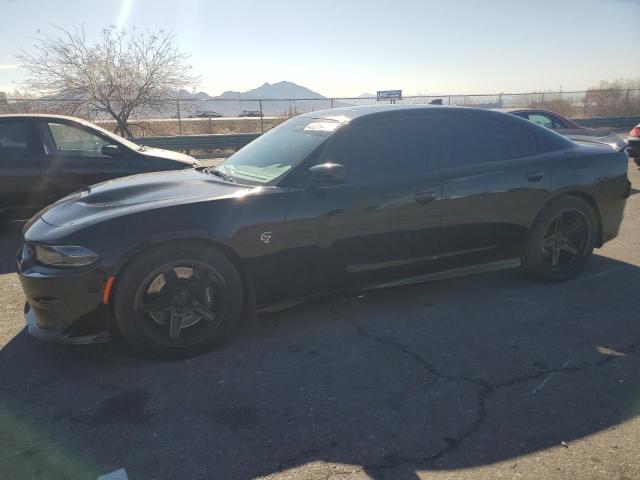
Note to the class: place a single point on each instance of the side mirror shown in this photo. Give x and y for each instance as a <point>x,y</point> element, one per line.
<point>327,173</point>
<point>111,150</point>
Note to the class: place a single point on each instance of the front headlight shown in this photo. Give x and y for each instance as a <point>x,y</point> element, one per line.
<point>64,256</point>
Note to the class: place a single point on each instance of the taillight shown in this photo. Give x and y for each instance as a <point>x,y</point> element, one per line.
<point>635,132</point>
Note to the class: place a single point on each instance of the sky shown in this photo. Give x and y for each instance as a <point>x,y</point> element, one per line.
<point>349,47</point>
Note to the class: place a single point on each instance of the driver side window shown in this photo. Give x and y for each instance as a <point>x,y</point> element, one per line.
<point>383,149</point>
<point>61,139</point>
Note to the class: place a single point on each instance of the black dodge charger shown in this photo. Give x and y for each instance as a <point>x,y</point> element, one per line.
<point>331,201</point>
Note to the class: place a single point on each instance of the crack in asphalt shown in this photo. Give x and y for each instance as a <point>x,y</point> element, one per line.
<point>486,389</point>
<point>404,349</point>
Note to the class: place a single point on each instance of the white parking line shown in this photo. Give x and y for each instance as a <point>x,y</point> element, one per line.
<point>600,274</point>
<point>547,378</point>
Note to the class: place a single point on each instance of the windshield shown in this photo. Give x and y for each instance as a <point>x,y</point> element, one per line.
<point>277,151</point>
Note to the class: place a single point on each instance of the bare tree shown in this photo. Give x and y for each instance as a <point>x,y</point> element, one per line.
<point>617,97</point>
<point>125,72</point>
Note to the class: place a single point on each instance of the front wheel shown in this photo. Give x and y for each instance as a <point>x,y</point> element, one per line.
<point>178,300</point>
<point>561,240</point>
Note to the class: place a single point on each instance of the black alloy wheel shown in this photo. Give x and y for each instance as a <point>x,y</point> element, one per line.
<point>566,239</point>
<point>178,300</point>
<point>183,302</point>
<point>560,240</point>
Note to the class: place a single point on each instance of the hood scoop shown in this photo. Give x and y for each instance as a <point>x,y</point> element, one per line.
<point>138,192</point>
<point>103,204</point>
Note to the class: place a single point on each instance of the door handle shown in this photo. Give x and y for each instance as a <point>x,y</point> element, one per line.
<point>535,176</point>
<point>424,197</point>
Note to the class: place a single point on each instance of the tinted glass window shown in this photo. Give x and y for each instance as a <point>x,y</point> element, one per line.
<point>13,138</point>
<point>559,124</point>
<point>277,151</point>
<point>542,120</point>
<point>383,149</point>
<point>521,141</point>
<point>472,140</point>
<point>59,138</point>
<point>550,141</point>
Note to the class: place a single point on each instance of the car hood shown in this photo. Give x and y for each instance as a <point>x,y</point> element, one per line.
<point>601,136</point>
<point>151,153</point>
<point>139,192</point>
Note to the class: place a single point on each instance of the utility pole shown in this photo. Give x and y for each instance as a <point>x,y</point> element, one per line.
<point>179,120</point>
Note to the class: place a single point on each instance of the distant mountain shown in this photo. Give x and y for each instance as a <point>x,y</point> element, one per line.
<point>199,95</point>
<point>276,90</point>
<point>275,100</point>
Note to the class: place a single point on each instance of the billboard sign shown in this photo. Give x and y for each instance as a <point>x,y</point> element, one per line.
<point>389,95</point>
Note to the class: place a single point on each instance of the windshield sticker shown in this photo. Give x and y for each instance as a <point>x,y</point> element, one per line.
<point>322,126</point>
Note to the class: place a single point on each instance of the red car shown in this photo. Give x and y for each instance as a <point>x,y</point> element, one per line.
<point>567,127</point>
<point>634,144</point>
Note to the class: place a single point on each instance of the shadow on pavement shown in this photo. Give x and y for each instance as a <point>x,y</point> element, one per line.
<point>445,375</point>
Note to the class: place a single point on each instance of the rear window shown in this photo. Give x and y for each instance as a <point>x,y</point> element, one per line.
<point>470,140</point>
<point>13,137</point>
<point>540,119</point>
<point>549,141</point>
<point>521,141</point>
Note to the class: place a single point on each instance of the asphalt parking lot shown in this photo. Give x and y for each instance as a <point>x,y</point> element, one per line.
<point>488,376</point>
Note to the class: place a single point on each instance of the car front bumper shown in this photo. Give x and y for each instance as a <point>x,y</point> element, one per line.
<point>63,305</point>
<point>61,336</point>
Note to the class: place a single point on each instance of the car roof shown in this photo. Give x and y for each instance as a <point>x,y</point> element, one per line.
<point>45,116</point>
<point>566,120</point>
<point>77,121</point>
<point>350,113</point>
<point>511,110</point>
<point>524,109</point>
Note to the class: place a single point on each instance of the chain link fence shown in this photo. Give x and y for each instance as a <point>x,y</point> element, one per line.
<point>204,115</point>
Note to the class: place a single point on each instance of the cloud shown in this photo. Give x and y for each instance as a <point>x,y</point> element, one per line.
<point>8,66</point>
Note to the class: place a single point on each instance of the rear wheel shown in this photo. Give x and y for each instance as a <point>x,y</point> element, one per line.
<point>178,300</point>
<point>561,240</point>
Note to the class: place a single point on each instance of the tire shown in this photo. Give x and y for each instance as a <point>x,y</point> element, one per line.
<point>178,300</point>
<point>558,250</point>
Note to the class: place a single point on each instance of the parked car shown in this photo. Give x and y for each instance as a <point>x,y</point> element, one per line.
<point>250,113</point>
<point>45,157</point>
<point>205,114</point>
<point>567,127</point>
<point>330,201</point>
<point>634,144</point>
